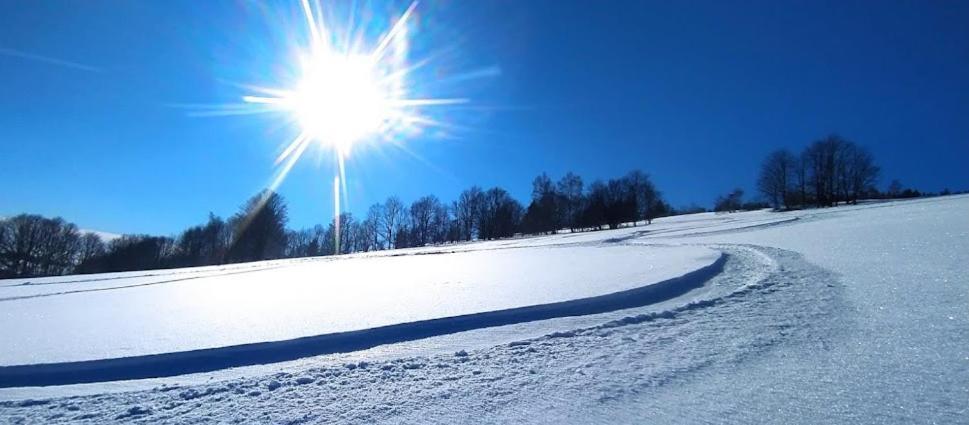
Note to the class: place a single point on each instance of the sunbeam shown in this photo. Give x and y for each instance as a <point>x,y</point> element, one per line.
<point>346,94</point>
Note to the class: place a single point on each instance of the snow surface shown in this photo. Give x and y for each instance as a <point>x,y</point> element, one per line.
<point>843,315</point>
<point>107,317</point>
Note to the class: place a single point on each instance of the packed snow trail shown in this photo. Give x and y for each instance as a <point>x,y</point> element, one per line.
<point>845,315</point>
<point>210,359</point>
<point>208,318</point>
<point>663,345</point>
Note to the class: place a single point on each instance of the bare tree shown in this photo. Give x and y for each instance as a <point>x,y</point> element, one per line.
<point>777,174</point>
<point>467,210</point>
<point>440,222</point>
<point>859,172</point>
<point>31,245</point>
<point>371,228</point>
<point>422,213</point>
<point>649,203</point>
<point>570,188</point>
<point>90,246</point>
<point>500,215</point>
<point>823,161</point>
<point>298,243</point>
<point>133,252</point>
<point>393,217</point>
<point>348,234</point>
<point>894,189</point>
<point>543,214</point>
<point>732,202</point>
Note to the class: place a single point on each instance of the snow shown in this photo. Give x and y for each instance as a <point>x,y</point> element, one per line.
<point>128,316</point>
<point>844,315</point>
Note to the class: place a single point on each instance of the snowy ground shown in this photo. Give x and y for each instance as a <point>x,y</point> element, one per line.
<point>845,315</point>
<point>189,310</point>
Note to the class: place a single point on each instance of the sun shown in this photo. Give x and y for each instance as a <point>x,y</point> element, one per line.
<point>340,100</point>
<point>348,93</point>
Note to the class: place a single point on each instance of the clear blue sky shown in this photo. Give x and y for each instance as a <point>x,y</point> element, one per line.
<point>694,93</point>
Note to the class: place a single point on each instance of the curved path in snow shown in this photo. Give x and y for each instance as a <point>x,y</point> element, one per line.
<point>402,299</point>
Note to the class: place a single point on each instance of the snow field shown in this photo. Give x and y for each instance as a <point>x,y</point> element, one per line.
<point>845,315</point>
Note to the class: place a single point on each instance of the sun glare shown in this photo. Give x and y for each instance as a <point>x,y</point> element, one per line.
<point>347,93</point>
<point>339,100</point>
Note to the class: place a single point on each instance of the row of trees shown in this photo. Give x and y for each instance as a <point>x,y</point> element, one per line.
<point>480,214</point>
<point>828,171</point>
<point>32,245</point>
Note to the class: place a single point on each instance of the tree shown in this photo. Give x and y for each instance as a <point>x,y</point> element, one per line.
<point>370,228</point>
<point>259,229</point>
<point>500,215</point>
<point>732,202</point>
<point>205,244</point>
<point>594,213</point>
<point>393,216</point>
<point>467,209</point>
<point>298,243</point>
<point>422,216</point>
<point>132,252</point>
<point>801,180</point>
<point>31,245</point>
<point>570,189</point>
<point>621,203</point>
<point>858,173</point>
<point>348,236</point>
<point>543,213</point>
<point>91,246</point>
<point>836,170</point>
<point>894,189</point>
<point>440,223</point>
<point>777,175</point>
<point>649,202</point>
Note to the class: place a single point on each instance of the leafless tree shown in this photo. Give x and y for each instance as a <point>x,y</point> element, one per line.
<point>777,176</point>
<point>858,172</point>
<point>422,219</point>
<point>500,215</point>
<point>371,228</point>
<point>570,188</point>
<point>648,200</point>
<point>467,210</point>
<point>91,246</point>
<point>31,245</point>
<point>393,217</point>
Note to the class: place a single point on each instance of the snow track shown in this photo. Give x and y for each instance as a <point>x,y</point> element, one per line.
<point>720,322</point>
<point>205,360</point>
<point>846,315</point>
<point>142,316</point>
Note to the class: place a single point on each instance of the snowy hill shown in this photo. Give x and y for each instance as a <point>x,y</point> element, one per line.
<point>849,314</point>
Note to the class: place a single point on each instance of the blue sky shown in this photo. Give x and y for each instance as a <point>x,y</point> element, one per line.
<point>93,125</point>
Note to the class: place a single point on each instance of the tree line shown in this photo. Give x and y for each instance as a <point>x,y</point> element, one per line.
<point>32,245</point>
<point>828,171</point>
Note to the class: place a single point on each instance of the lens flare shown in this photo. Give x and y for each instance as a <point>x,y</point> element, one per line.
<point>346,93</point>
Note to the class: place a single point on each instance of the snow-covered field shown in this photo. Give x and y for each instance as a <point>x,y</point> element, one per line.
<point>846,315</point>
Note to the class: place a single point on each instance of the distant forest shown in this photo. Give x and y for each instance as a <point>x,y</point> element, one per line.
<point>828,172</point>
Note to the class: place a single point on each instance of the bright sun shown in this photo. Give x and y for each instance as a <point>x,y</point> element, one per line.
<point>347,94</point>
<point>339,100</point>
